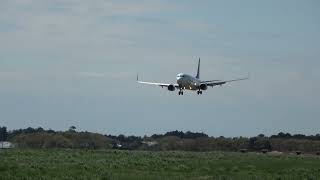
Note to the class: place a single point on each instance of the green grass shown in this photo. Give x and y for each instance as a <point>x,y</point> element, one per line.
<point>109,164</point>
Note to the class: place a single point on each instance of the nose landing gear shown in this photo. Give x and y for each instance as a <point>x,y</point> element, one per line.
<point>180,92</point>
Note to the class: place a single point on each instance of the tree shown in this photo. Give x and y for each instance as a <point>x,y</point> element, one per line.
<point>284,135</point>
<point>72,129</point>
<point>121,138</point>
<point>259,143</point>
<point>252,142</point>
<point>3,133</point>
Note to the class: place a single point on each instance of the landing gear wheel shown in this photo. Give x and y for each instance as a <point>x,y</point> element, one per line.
<point>180,93</point>
<point>199,92</point>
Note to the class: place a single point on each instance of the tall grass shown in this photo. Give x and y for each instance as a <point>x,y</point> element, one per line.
<point>109,164</point>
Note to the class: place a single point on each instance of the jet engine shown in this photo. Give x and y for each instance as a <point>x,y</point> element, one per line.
<point>203,86</point>
<point>171,87</point>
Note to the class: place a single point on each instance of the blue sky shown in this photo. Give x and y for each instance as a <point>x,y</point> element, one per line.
<point>74,62</point>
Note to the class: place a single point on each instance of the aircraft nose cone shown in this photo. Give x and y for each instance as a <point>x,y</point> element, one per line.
<point>179,80</point>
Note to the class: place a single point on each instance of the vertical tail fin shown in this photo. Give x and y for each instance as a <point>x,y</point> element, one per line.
<point>198,72</point>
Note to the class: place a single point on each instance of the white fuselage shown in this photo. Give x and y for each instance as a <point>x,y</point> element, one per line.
<point>188,82</point>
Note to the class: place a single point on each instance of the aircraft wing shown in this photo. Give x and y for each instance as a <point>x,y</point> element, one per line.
<point>219,83</point>
<point>210,81</point>
<point>156,84</point>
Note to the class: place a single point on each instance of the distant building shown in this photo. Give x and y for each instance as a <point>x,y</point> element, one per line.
<point>6,145</point>
<point>150,143</point>
<point>117,146</point>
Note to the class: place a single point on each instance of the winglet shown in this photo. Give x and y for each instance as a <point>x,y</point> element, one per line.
<point>198,72</point>
<point>137,76</point>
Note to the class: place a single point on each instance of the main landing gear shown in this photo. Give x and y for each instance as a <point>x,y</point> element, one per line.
<point>181,91</point>
<point>199,92</point>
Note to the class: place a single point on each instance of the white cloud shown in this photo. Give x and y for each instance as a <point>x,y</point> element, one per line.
<point>74,25</point>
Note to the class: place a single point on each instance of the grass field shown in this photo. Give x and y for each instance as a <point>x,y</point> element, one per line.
<point>109,164</point>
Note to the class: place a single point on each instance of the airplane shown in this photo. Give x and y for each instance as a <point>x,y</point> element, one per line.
<point>188,82</point>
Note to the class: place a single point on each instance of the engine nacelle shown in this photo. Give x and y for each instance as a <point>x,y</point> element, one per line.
<point>171,87</point>
<point>203,86</point>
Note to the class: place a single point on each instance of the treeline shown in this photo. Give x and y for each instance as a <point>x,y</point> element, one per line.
<point>41,138</point>
<point>174,140</point>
